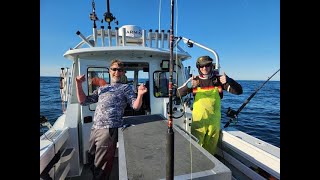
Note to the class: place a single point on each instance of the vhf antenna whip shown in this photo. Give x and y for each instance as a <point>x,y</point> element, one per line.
<point>234,114</point>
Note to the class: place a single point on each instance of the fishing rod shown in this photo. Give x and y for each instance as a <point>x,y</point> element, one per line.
<point>234,114</point>
<point>170,133</point>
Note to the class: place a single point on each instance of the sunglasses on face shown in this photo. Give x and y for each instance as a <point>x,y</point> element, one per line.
<point>207,65</point>
<point>117,69</point>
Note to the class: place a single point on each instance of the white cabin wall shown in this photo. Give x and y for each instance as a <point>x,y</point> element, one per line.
<point>75,71</point>
<point>159,105</point>
<point>72,121</point>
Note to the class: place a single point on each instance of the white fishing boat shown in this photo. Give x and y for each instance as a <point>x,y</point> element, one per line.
<point>147,55</point>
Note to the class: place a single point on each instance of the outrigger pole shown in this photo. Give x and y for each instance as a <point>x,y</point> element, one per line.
<point>170,133</point>
<point>234,114</point>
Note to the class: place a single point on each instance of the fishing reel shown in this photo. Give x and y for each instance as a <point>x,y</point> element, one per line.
<point>232,114</point>
<point>93,16</point>
<point>108,17</point>
<point>177,108</point>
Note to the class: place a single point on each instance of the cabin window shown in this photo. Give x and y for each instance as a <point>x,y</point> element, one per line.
<point>135,77</point>
<point>97,76</point>
<point>161,83</point>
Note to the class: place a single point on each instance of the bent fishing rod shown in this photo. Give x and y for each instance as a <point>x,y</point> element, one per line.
<point>234,114</point>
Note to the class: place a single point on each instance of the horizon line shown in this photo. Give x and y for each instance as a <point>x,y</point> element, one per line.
<point>237,79</point>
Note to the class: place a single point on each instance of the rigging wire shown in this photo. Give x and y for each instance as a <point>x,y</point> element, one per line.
<point>159,14</point>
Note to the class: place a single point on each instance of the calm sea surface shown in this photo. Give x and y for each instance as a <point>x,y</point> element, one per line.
<point>259,118</point>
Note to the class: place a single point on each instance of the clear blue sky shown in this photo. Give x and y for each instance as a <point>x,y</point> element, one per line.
<point>244,33</point>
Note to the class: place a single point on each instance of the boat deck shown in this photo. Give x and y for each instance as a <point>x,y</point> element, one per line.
<point>142,154</point>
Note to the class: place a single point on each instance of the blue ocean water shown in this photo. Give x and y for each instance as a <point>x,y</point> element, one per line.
<point>260,117</point>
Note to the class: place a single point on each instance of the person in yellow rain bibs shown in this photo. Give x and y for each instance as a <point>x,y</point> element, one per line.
<point>207,89</point>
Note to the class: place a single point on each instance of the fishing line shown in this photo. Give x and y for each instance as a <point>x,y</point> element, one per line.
<point>190,145</point>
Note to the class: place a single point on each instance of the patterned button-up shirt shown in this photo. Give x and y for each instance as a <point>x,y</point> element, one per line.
<point>112,100</point>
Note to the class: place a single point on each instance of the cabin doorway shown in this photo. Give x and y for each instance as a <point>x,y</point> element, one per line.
<point>136,74</point>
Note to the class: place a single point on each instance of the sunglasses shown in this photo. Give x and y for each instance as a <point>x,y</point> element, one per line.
<point>117,69</point>
<point>207,65</point>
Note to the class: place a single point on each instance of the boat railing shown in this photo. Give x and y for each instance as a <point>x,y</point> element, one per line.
<point>119,37</point>
<point>139,38</point>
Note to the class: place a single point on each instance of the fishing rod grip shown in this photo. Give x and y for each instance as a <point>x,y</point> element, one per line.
<point>170,155</point>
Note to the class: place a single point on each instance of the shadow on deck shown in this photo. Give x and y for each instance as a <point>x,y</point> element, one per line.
<point>87,174</point>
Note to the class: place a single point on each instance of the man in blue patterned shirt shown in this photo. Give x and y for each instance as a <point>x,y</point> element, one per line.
<point>111,100</point>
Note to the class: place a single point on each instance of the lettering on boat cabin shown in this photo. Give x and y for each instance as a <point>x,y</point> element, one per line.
<point>131,31</point>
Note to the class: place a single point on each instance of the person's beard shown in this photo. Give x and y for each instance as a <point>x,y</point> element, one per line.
<point>115,79</point>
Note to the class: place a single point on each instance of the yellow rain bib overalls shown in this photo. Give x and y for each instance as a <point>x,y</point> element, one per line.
<point>206,117</point>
